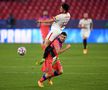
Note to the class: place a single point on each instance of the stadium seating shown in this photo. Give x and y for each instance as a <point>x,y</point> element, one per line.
<point>32,9</point>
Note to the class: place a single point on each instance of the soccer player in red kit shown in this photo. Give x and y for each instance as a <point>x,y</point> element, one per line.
<point>44,27</point>
<point>52,68</point>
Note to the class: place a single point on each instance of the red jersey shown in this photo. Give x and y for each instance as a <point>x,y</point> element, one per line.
<point>56,44</point>
<point>44,27</point>
<point>47,65</point>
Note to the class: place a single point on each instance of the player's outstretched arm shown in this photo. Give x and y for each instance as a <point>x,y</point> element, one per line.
<point>64,49</point>
<point>46,21</point>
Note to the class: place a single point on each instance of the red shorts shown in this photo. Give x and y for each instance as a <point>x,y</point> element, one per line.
<point>48,68</point>
<point>47,65</point>
<point>57,66</point>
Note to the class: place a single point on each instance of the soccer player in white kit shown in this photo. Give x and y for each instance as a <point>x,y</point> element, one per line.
<point>58,24</point>
<point>86,26</point>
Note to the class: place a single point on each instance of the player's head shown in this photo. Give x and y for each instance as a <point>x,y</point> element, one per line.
<point>85,15</point>
<point>64,8</point>
<point>62,36</point>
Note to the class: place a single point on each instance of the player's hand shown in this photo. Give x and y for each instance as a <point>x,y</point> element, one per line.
<point>39,21</point>
<point>40,62</point>
<point>82,26</point>
<point>68,46</point>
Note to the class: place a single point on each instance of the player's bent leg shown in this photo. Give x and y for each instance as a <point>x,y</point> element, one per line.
<point>46,43</point>
<point>58,69</point>
<point>50,37</point>
<point>46,52</point>
<point>48,49</point>
<point>56,73</point>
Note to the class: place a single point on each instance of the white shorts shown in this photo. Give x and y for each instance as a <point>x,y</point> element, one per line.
<point>53,34</point>
<point>85,33</point>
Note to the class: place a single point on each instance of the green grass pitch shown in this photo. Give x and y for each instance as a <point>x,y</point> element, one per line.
<point>81,72</point>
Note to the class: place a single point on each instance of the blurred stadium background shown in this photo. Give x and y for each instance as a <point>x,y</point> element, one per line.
<point>81,72</point>
<point>26,12</point>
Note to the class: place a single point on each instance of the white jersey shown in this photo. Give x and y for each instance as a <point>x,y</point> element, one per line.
<point>61,21</point>
<point>86,23</point>
<point>58,25</point>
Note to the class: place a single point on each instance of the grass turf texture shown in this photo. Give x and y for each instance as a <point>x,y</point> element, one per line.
<point>81,72</point>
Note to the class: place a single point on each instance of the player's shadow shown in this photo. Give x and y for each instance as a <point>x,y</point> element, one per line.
<point>35,87</point>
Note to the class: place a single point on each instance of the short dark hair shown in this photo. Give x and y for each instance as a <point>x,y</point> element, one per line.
<point>65,7</point>
<point>64,33</point>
